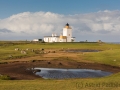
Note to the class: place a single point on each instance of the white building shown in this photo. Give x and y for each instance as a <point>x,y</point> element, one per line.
<point>65,37</point>
<point>36,40</point>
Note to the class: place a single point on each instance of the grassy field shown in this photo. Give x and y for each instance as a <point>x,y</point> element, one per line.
<point>106,83</point>
<point>109,54</point>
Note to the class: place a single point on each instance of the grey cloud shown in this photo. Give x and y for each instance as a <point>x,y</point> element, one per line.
<point>103,32</point>
<point>84,27</point>
<point>5,31</point>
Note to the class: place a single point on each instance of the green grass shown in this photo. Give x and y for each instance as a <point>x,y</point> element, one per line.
<point>110,55</point>
<point>106,83</point>
<point>4,77</point>
<point>7,48</point>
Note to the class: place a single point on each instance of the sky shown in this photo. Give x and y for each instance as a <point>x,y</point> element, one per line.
<point>91,20</point>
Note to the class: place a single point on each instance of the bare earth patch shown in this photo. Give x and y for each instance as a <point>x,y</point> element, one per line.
<point>21,70</point>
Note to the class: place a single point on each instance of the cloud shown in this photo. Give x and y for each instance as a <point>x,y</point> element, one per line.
<point>5,31</point>
<point>39,24</point>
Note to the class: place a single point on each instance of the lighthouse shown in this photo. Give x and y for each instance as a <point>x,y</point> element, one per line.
<point>67,31</point>
<point>66,36</point>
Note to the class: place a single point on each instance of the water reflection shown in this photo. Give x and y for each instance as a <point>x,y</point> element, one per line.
<point>82,50</point>
<point>54,73</point>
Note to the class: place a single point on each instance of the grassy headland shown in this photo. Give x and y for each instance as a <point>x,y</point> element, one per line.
<point>109,54</point>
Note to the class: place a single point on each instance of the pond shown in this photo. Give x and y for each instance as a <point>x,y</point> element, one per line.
<point>55,73</point>
<point>82,50</point>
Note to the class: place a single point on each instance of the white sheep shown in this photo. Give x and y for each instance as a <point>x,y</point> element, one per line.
<point>16,49</point>
<point>23,52</point>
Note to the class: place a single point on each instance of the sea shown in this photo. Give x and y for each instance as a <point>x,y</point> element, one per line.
<point>113,42</point>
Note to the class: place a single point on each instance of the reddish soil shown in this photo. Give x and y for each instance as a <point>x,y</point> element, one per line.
<point>22,70</point>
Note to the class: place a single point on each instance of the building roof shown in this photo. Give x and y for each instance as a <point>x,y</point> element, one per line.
<point>63,37</point>
<point>51,36</point>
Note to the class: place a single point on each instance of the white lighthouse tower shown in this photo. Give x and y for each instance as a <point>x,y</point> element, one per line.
<point>67,31</point>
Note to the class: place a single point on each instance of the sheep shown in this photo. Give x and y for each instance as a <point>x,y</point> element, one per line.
<point>45,52</point>
<point>16,49</point>
<point>33,50</point>
<point>42,49</point>
<point>27,49</point>
<point>10,56</point>
<point>23,52</point>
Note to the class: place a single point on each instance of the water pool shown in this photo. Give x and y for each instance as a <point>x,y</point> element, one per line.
<point>55,73</point>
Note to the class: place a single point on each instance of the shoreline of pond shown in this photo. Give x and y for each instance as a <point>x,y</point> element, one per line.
<point>19,70</point>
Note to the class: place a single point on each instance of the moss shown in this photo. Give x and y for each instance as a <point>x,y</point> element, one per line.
<point>3,62</point>
<point>4,77</point>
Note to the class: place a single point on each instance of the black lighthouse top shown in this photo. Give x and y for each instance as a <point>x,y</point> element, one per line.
<point>67,24</point>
